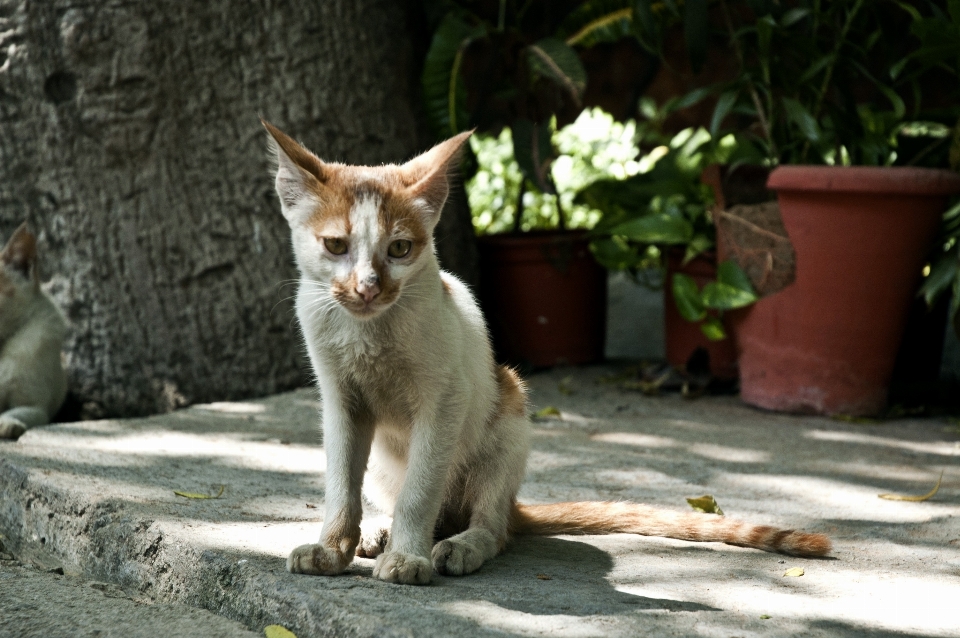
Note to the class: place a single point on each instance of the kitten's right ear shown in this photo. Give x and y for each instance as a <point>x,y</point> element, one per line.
<point>20,253</point>
<point>300,173</point>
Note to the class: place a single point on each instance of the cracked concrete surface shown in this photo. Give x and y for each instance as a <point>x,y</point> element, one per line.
<point>97,500</point>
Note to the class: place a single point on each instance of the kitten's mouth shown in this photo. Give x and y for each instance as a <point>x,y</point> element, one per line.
<point>363,309</point>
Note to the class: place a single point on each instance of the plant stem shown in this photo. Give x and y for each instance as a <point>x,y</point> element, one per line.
<point>764,122</point>
<point>828,76</point>
<point>519,215</point>
<point>561,217</point>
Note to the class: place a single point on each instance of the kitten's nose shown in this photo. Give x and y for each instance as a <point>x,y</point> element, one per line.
<point>368,287</point>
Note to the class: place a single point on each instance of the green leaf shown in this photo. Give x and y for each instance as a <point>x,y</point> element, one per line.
<point>730,273</point>
<point>706,504</point>
<point>696,32</point>
<point>712,328</point>
<point>897,68</point>
<point>798,114</point>
<point>554,59</point>
<point>724,104</point>
<point>941,278</point>
<point>598,21</point>
<point>614,254</point>
<point>765,27</point>
<point>699,244</point>
<point>793,16</point>
<point>816,68</point>
<point>722,296</point>
<point>687,100</point>
<point>656,229</point>
<point>548,412</point>
<point>953,211</point>
<point>911,10</point>
<point>533,150</point>
<point>645,26</point>
<point>443,91</point>
<point>687,297</point>
<point>278,631</point>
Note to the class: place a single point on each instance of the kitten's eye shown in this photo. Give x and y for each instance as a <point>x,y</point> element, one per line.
<point>335,245</point>
<point>400,248</point>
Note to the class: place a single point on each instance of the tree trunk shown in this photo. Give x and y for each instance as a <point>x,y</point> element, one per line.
<point>129,139</point>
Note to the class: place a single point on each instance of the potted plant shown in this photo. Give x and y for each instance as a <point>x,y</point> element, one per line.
<point>544,294</point>
<point>819,95</point>
<point>515,67</point>
<point>661,217</point>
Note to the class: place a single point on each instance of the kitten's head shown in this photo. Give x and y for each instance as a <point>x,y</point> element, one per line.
<point>19,282</point>
<point>360,233</point>
<point>18,263</point>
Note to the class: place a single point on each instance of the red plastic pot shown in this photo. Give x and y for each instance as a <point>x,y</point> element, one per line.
<point>827,343</point>
<point>684,337</point>
<point>544,296</point>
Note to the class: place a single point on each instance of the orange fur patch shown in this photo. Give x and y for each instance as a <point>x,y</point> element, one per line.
<point>513,393</point>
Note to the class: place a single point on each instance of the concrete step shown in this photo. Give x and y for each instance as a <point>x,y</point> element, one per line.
<point>97,500</point>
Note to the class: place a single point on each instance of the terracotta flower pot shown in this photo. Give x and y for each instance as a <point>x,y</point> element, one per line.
<point>544,296</point>
<point>684,337</point>
<point>827,343</point>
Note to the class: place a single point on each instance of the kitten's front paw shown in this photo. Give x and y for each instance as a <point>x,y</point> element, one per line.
<point>455,557</point>
<point>406,569</point>
<point>11,428</point>
<point>317,560</point>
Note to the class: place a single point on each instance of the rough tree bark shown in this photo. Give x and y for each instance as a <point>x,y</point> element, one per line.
<point>129,139</point>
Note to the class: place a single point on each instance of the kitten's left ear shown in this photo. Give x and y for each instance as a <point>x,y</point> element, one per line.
<point>20,253</point>
<point>427,176</point>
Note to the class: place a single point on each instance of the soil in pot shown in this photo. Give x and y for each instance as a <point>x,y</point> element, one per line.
<point>684,338</point>
<point>544,297</point>
<point>827,343</point>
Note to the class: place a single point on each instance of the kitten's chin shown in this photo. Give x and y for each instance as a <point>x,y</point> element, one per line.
<point>365,312</point>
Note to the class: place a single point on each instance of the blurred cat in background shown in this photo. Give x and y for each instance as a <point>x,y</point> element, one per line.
<point>33,383</point>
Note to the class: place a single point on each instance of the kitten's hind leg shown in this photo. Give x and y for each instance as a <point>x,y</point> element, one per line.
<point>14,422</point>
<point>491,491</point>
<point>374,535</point>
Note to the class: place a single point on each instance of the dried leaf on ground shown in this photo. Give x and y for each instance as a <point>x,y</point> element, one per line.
<point>278,631</point>
<point>548,412</point>
<point>566,385</point>
<point>915,499</point>
<point>196,495</point>
<point>794,571</point>
<point>706,504</point>
<point>543,577</point>
<point>649,387</point>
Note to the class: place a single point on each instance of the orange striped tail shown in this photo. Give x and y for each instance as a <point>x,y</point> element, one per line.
<point>630,518</point>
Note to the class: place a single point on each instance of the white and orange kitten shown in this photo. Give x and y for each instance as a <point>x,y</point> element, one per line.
<point>416,413</point>
<point>32,381</point>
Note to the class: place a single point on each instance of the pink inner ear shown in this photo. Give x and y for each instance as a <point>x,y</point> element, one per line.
<point>296,153</point>
<point>427,174</point>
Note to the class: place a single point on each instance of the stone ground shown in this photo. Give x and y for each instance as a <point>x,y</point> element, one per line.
<point>96,501</point>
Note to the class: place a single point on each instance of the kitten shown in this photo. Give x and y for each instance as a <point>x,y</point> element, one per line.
<point>416,414</point>
<point>33,383</point>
